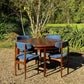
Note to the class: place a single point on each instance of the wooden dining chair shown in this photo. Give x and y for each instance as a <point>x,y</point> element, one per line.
<point>60,56</point>
<point>51,37</point>
<point>26,57</point>
<point>26,37</point>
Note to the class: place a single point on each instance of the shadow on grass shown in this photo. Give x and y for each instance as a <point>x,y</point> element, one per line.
<point>76,61</point>
<point>30,68</point>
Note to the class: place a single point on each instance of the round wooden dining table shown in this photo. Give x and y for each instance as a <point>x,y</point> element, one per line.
<point>41,44</point>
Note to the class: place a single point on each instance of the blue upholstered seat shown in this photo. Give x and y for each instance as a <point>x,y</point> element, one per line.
<point>58,45</point>
<point>64,44</point>
<point>20,46</point>
<point>28,56</point>
<point>25,37</point>
<point>53,37</point>
<point>58,55</point>
<point>22,37</point>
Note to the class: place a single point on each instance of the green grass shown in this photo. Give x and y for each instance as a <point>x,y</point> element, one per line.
<point>79,26</point>
<point>6,44</point>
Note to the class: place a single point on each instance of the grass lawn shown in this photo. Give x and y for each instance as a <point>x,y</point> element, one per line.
<point>79,26</point>
<point>6,43</point>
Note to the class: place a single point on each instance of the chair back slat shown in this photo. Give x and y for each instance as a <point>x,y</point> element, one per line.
<point>64,44</point>
<point>20,46</point>
<point>22,37</point>
<point>53,37</point>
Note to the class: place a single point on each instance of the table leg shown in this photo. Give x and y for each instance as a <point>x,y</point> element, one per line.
<point>36,59</point>
<point>44,62</point>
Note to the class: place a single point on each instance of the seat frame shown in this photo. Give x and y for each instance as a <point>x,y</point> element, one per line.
<point>26,37</point>
<point>17,61</point>
<point>50,51</point>
<point>61,59</point>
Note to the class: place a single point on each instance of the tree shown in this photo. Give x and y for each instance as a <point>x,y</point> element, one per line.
<point>39,13</point>
<point>79,14</point>
<point>17,6</point>
<point>69,11</point>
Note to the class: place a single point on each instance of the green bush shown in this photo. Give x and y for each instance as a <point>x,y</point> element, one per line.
<point>2,30</point>
<point>6,28</point>
<point>74,33</point>
<point>11,24</point>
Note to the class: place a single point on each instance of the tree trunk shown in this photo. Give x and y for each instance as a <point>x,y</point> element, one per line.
<point>22,23</point>
<point>38,21</point>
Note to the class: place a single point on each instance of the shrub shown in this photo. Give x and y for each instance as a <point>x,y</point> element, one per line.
<point>73,33</point>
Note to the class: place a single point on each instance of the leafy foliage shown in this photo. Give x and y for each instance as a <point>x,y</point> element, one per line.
<point>67,32</point>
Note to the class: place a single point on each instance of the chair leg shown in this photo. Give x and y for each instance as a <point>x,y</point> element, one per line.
<point>15,68</point>
<point>67,67</point>
<point>40,56</point>
<point>36,59</point>
<point>61,68</point>
<point>18,65</point>
<point>25,70</point>
<point>38,64</point>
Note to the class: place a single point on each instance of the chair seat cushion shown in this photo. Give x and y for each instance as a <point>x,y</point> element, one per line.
<point>57,55</point>
<point>28,56</point>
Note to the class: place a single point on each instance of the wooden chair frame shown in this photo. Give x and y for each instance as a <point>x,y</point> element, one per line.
<point>17,61</point>
<point>61,59</point>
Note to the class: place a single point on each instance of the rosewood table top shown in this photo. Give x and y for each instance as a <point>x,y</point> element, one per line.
<point>41,42</point>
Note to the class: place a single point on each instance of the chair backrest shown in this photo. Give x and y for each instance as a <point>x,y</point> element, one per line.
<point>63,43</point>
<point>22,37</point>
<point>20,46</point>
<point>53,37</point>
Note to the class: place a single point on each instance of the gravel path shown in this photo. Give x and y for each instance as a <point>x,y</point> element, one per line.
<point>76,75</point>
